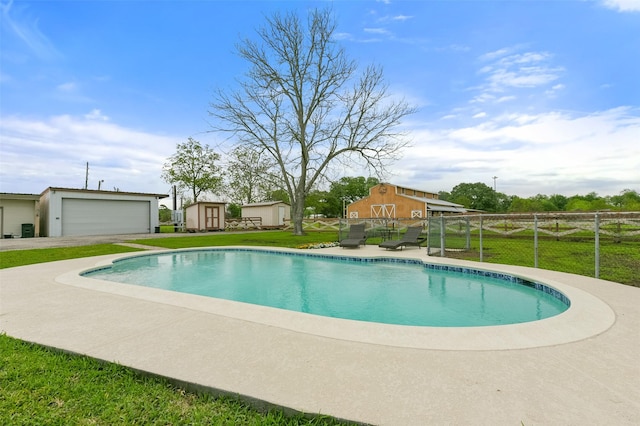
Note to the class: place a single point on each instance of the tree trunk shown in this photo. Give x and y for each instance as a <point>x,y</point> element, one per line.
<point>297,211</point>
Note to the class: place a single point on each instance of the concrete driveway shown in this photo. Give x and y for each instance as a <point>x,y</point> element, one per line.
<point>46,242</point>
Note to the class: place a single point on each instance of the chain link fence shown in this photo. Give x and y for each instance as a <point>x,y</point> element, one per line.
<point>603,245</point>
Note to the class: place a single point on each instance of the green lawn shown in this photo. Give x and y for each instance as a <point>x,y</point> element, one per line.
<point>253,238</point>
<point>619,261</point>
<point>9,259</point>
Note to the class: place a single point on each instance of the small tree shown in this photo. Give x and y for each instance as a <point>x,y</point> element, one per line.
<point>303,104</point>
<point>164,214</point>
<point>193,168</point>
<point>249,176</point>
<point>234,210</point>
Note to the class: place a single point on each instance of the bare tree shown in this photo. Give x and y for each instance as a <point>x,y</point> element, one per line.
<point>302,104</point>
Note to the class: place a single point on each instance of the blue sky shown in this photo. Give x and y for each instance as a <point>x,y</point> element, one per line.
<point>544,95</point>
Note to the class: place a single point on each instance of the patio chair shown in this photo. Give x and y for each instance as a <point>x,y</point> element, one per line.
<point>410,238</point>
<point>356,237</point>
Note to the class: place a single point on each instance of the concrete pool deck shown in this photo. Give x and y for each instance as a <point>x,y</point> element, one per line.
<point>578,368</point>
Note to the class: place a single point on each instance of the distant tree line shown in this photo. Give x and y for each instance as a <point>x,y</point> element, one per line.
<point>480,196</point>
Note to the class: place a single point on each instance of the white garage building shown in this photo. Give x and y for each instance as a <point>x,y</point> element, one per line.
<point>69,212</point>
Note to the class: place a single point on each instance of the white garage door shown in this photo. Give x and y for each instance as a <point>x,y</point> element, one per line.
<point>104,217</point>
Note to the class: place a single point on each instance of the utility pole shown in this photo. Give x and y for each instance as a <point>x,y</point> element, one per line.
<point>494,183</point>
<point>86,177</point>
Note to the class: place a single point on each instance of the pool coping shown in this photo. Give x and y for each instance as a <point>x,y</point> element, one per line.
<point>587,315</point>
<point>593,380</point>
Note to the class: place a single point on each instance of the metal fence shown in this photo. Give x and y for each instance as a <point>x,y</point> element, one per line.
<point>602,245</point>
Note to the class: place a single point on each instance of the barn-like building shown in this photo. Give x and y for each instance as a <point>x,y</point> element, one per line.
<point>390,201</point>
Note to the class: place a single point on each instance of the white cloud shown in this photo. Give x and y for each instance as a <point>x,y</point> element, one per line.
<point>623,5</point>
<point>342,36</point>
<point>67,87</point>
<point>13,22</point>
<point>553,91</point>
<point>523,77</point>
<point>495,54</point>
<point>38,153</point>
<point>548,153</point>
<point>376,31</point>
<point>96,114</point>
<point>519,70</point>
<point>71,91</point>
<point>505,99</point>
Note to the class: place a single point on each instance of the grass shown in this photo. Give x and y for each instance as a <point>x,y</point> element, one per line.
<point>167,229</point>
<point>9,259</point>
<point>267,238</point>
<point>43,386</point>
<point>619,262</point>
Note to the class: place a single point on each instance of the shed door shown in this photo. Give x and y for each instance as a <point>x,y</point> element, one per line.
<point>212,217</point>
<point>281,215</point>
<point>104,217</point>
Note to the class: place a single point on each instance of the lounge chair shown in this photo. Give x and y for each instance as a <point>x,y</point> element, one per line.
<point>410,238</point>
<point>356,237</point>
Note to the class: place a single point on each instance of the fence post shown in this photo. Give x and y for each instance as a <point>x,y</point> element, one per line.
<point>535,240</point>
<point>428,235</point>
<point>597,232</point>
<point>480,238</point>
<point>441,235</point>
<point>468,244</point>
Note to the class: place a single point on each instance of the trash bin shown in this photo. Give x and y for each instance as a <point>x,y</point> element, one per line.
<point>157,229</point>
<point>28,230</point>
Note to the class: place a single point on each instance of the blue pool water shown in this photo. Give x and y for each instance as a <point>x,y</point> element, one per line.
<point>388,291</point>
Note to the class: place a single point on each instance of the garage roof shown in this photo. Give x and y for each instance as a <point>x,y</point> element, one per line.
<point>95,191</point>
<point>11,196</point>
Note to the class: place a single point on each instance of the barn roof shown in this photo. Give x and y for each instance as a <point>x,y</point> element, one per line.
<point>436,205</point>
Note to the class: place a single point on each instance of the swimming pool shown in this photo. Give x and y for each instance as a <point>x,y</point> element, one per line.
<point>382,290</point>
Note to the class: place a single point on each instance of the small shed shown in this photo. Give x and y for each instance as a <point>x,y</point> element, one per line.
<point>205,216</point>
<point>72,212</point>
<point>19,215</point>
<point>272,213</point>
